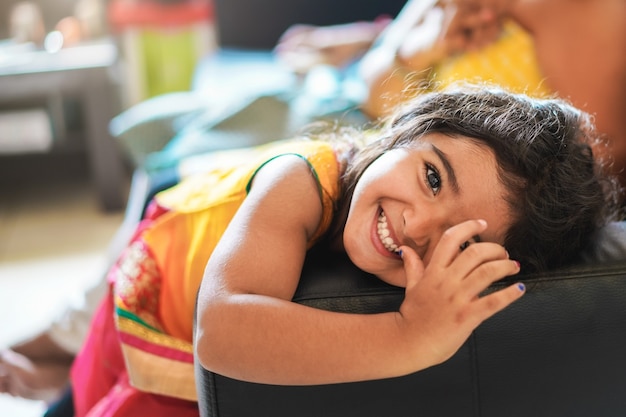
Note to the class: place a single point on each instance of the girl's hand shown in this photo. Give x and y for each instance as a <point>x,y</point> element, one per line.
<point>443,305</point>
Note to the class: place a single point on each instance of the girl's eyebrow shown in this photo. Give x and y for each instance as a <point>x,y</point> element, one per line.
<point>448,167</point>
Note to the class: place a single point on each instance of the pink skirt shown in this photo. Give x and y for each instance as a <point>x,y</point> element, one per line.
<point>100,382</point>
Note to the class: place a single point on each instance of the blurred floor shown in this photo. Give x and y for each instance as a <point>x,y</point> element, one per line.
<point>53,242</point>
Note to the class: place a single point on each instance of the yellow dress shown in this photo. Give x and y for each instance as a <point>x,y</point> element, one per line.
<point>156,280</point>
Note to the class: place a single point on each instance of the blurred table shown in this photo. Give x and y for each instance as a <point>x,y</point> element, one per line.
<point>87,73</point>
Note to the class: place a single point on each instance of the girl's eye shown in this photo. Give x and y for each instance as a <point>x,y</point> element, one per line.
<point>433,179</point>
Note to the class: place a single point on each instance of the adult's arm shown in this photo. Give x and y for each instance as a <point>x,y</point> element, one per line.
<point>423,33</point>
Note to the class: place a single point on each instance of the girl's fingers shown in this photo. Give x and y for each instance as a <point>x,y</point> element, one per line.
<point>476,255</point>
<point>413,266</point>
<point>486,274</point>
<point>490,304</point>
<point>454,239</point>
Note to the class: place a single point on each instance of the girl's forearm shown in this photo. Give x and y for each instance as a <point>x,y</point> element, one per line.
<point>280,342</point>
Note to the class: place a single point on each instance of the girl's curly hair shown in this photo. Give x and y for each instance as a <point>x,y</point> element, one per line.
<point>558,193</point>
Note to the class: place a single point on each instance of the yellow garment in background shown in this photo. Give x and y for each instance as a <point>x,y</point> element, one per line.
<point>509,62</point>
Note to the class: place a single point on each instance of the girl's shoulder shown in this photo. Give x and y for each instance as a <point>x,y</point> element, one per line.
<point>224,175</point>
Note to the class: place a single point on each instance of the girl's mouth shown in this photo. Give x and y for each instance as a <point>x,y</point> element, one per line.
<point>384,234</point>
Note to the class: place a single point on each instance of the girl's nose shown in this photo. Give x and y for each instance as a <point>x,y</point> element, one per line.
<point>423,227</point>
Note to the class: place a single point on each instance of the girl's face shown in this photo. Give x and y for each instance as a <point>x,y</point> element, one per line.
<point>411,196</point>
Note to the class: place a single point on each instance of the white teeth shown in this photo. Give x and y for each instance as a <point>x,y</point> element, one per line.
<point>383,234</point>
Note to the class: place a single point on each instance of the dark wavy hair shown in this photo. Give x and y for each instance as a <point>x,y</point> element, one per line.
<point>558,193</point>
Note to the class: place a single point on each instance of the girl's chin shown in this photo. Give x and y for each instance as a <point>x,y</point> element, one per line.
<point>397,282</point>
<point>385,273</point>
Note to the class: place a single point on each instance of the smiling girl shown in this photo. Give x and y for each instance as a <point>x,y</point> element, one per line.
<point>457,192</point>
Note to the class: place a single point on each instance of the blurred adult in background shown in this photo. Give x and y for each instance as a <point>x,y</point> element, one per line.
<point>571,48</point>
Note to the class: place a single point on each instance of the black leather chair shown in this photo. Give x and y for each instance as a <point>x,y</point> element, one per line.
<point>559,351</point>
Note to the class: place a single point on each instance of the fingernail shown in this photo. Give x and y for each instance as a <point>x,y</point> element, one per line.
<point>521,287</point>
<point>519,266</point>
<point>400,252</point>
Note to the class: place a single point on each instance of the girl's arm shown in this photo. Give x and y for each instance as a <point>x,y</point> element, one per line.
<point>249,329</point>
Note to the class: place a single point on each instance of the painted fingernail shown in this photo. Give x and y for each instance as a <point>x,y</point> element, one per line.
<point>400,252</point>
<point>521,287</point>
<point>519,266</point>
